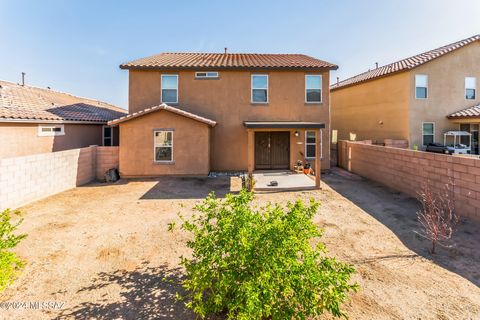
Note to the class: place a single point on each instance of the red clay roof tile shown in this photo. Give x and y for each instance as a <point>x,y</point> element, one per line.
<point>227,61</point>
<point>166,107</point>
<point>31,103</point>
<point>470,112</point>
<point>405,64</point>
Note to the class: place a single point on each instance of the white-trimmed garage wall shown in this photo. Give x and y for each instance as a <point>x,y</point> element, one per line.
<point>29,178</point>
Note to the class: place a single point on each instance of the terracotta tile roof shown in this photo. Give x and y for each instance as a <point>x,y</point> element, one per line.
<point>227,61</point>
<point>405,64</point>
<point>37,104</point>
<point>166,107</point>
<point>471,112</point>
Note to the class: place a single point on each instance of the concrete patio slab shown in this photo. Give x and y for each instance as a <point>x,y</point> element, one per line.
<point>286,181</point>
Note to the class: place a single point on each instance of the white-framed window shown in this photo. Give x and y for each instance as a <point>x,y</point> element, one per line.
<point>107,136</point>
<point>470,88</point>
<point>206,75</point>
<point>169,93</point>
<point>310,145</point>
<point>428,133</point>
<point>163,145</point>
<point>259,88</point>
<point>50,130</point>
<point>421,86</point>
<point>313,88</point>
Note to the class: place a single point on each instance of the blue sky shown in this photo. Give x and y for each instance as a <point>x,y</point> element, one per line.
<point>76,46</point>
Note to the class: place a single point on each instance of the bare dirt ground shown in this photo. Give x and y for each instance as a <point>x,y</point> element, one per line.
<point>104,251</point>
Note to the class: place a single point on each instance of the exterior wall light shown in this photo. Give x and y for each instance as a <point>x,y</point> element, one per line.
<point>296,133</point>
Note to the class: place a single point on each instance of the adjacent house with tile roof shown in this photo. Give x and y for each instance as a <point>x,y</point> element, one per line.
<point>192,113</point>
<point>39,120</point>
<point>417,99</point>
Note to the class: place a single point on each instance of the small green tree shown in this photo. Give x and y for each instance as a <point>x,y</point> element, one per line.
<point>261,264</point>
<point>10,263</point>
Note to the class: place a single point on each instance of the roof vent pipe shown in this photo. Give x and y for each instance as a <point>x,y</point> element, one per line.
<point>376,65</point>
<point>338,80</point>
<point>23,78</point>
<point>225,50</point>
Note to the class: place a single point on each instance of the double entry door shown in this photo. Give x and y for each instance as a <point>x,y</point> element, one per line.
<point>272,150</point>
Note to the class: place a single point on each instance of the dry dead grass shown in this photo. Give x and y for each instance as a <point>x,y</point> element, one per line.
<point>105,251</point>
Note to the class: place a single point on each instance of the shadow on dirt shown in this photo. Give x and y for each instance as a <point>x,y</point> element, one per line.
<point>146,293</point>
<point>397,211</point>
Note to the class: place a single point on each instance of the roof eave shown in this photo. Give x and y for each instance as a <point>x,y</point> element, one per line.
<point>30,120</point>
<point>127,67</point>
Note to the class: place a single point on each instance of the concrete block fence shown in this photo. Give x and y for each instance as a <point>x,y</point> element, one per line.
<point>406,170</point>
<point>29,178</point>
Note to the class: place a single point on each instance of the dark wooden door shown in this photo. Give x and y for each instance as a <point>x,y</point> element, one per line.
<point>272,150</point>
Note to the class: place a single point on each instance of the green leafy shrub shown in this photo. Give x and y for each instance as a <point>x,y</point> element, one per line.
<point>10,263</point>
<point>261,264</point>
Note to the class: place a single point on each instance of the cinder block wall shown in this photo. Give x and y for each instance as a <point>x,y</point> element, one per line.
<point>107,158</point>
<point>29,178</point>
<point>406,171</point>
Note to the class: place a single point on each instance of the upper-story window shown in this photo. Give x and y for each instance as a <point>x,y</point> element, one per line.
<point>470,88</point>
<point>313,88</point>
<point>206,75</point>
<point>169,88</point>
<point>259,88</point>
<point>421,86</point>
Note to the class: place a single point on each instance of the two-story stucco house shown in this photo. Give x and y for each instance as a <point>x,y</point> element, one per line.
<point>416,99</point>
<point>192,113</point>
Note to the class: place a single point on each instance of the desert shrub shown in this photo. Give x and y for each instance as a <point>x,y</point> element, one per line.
<point>437,217</point>
<point>10,263</point>
<point>261,263</point>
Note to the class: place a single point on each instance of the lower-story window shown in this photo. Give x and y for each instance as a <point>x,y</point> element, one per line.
<point>107,136</point>
<point>428,133</point>
<point>49,130</point>
<point>163,145</point>
<point>310,144</point>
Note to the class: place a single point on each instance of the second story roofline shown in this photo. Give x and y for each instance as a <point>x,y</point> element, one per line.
<point>228,61</point>
<point>404,65</point>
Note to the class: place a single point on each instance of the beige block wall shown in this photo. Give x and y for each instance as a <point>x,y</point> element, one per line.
<point>21,139</point>
<point>227,101</point>
<point>191,146</point>
<point>374,110</point>
<point>29,178</point>
<point>446,91</point>
<point>406,170</point>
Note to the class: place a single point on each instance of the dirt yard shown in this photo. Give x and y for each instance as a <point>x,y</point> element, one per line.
<point>103,251</point>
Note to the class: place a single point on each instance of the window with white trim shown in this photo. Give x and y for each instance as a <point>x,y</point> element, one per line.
<point>206,75</point>
<point>421,86</point>
<point>313,88</point>
<point>310,145</point>
<point>428,133</point>
<point>169,85</point>
<point>107,136</point>
<point>259,88</point>
<point>49,130</point>
<point>470,88</point>
<point>163,145</point>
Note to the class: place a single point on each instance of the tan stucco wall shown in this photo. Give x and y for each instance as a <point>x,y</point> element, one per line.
<point>374,110</point>
<point>227,101</point>
<point>446,91</point>
<point>22,139</point>
<point>190,146</point>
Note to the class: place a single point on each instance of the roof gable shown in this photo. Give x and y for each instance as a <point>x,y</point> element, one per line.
<point>227,61</point>
<point>405,64</point>
<point>166,107</point>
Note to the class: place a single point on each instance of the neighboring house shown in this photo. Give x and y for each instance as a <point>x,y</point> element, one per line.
<point>191,113</point>
<point>417,99</point>
<point>36,120</point>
